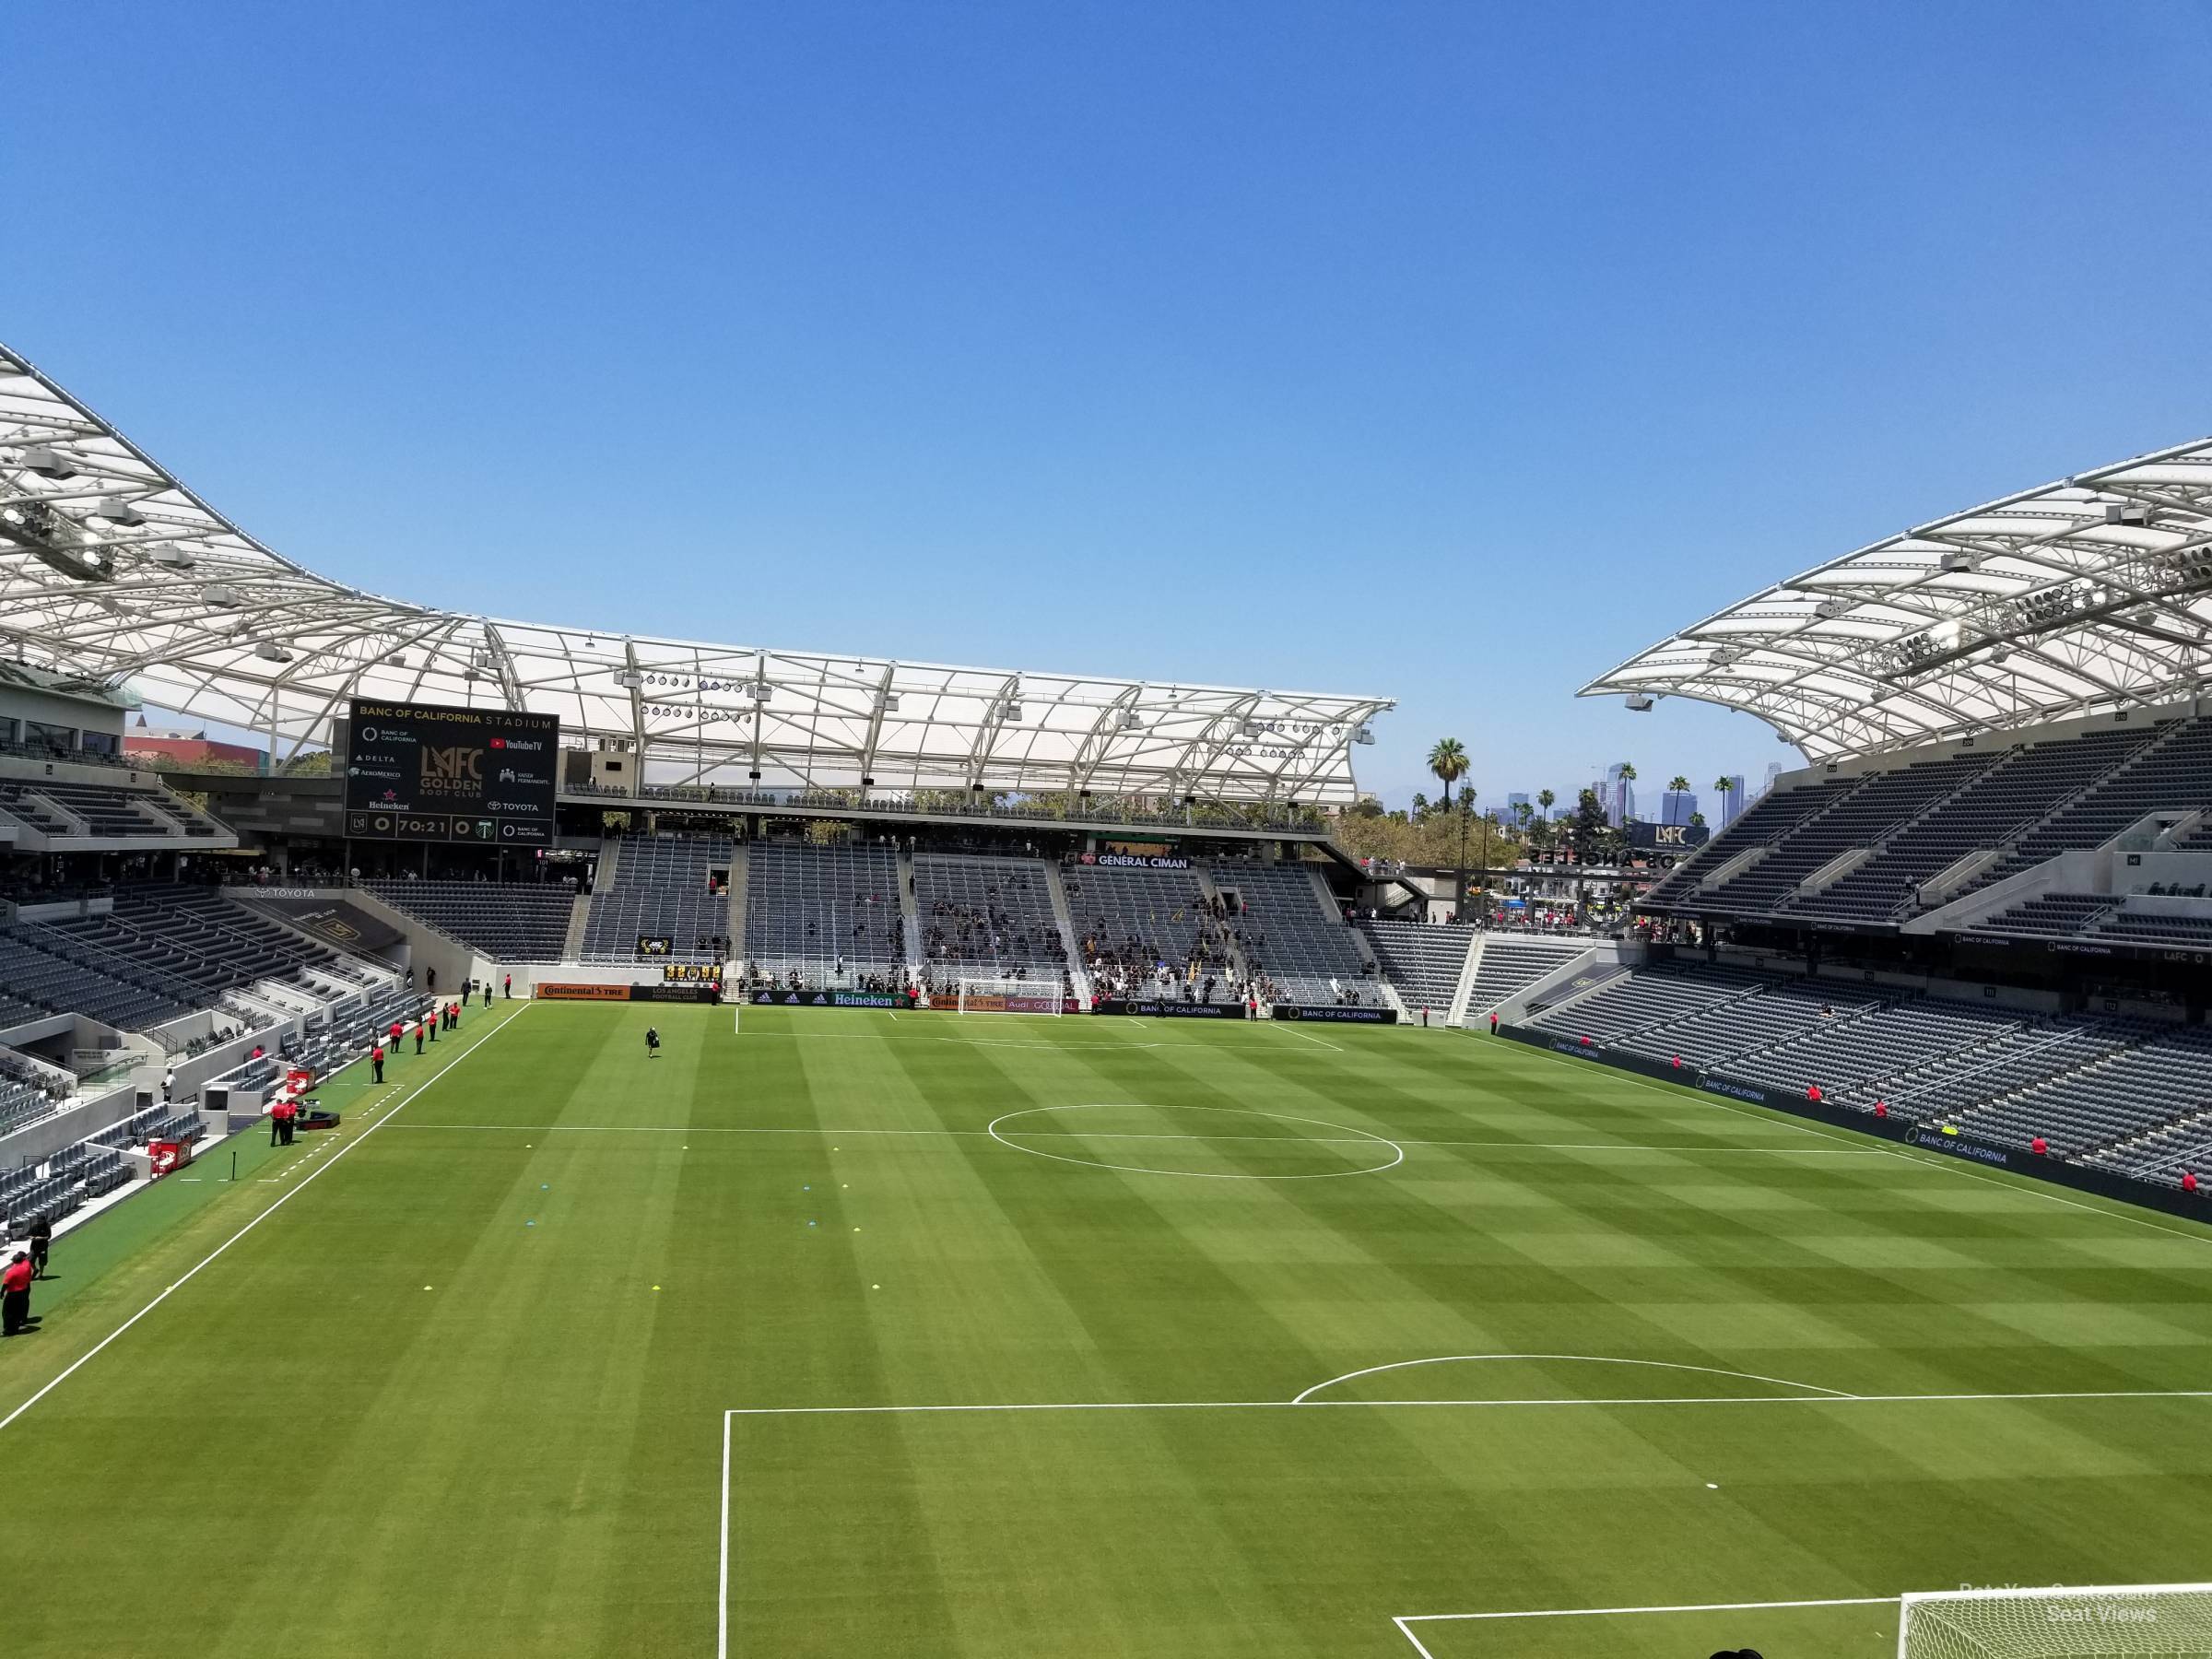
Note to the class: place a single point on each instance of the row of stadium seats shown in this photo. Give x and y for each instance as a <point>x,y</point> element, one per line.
<point>102,810</point>
<point>2096,916</point>
<point>46,972</point>
<point>2124,1091</point>
<point>57,1185</point>
<point>2031,802</point>
<point>508,921</point>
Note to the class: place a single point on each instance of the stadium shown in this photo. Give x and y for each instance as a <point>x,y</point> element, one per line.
<point>964,1162</point>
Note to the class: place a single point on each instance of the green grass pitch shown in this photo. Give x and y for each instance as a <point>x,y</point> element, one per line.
<point>558,1350</point>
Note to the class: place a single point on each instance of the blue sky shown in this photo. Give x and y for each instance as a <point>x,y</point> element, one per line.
<point>1449,352</point>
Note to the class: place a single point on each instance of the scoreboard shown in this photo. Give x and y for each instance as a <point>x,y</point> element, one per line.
<point>425,773</point>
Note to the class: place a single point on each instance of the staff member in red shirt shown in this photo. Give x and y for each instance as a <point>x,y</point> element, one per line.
<point>419,1025</point>
<point>376,1056</point>
<point>15,1296</point>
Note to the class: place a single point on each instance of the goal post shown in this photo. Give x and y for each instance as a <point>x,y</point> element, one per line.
<point>1009,996</point>
<point>2172,1622</point>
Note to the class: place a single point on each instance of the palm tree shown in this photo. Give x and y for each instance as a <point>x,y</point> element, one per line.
<point>1726,786</point>
<point>1678,784</point>
<point>1447,760</point>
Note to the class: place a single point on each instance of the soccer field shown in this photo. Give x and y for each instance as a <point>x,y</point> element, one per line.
<point>854,1334</point>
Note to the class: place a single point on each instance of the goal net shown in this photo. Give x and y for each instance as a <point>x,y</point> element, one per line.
<point>1009,996</point>
<point>2173,1621</point>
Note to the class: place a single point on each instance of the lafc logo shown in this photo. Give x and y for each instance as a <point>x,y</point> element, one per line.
<point>453,771</point>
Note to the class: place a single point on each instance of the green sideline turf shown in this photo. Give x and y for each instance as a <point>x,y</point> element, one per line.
<point>462,1393</point>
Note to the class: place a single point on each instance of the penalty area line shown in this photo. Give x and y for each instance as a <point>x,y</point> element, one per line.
<point>1836,1402</point>
<point>291,1193</point>
<point>1406,1621</point>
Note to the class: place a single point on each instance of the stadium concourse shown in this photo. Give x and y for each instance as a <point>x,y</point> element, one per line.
<point>1916,1045</point>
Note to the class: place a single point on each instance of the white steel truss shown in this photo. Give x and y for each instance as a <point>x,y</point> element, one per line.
<point>2089,594</point>
<point>114,576</point>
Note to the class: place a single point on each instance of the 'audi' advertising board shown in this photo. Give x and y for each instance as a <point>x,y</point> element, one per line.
<point>421,771</point>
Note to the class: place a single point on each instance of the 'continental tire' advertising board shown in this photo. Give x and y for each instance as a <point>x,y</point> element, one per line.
<point>569,993</point>
<point>426,772</point>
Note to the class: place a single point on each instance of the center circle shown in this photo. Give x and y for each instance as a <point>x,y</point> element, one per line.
<point>1136,1139</point>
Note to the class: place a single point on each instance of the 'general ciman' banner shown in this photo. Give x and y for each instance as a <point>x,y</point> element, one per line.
<point>422,772</point>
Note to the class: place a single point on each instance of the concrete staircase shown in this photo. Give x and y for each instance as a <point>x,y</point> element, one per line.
<point>1079,975</point>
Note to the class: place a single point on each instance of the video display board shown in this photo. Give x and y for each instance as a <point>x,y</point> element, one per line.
<point>425,773</point>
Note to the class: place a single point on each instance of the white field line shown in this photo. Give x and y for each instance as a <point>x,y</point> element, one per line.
<point>1406,1621</point>
<point>1836,1401</point>
<point>2028,1188</point>
<point>285,1198</point>
<point>1080,1134</point>
<point>1309,1036</point>
<point>722,1602</point>
<point>1357,1137</point>
<point>1711,1370</point>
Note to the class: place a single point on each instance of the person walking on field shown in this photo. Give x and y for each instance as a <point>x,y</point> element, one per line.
<point>41,1243</point>
<point>15,1296</point>
<point>419,1025</point>
<point>510,987</point>
<point>653,1043</point>
<point>376,1060</point>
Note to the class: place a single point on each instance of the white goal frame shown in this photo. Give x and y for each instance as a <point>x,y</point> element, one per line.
<point>1005,990</point>
<point>2074,1619</point>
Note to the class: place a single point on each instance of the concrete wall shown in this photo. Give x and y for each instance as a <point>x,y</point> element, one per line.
<point>2133,872</point>
<point>89,1116</point>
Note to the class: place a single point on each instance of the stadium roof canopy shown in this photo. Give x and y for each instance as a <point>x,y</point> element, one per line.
<point>114,575</point>
<point>2089,594</point>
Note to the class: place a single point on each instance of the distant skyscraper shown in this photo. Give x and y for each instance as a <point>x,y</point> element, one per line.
<point>1617,795</point>
<point>1514,801</point>
<point>1678,806</point>
<point>1774,769</point>
<point>1734,801</point>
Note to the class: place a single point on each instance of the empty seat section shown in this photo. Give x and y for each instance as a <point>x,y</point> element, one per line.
<point>510,922</point>
<point>1422,960</point>
<point>823,916</point>
<point>1648,998</point>
<point>665,887</point>
<point>1510,963</point>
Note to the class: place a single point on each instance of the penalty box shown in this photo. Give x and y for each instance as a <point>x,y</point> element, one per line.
<point>839,1528</point>
<point>1360,1528</point>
